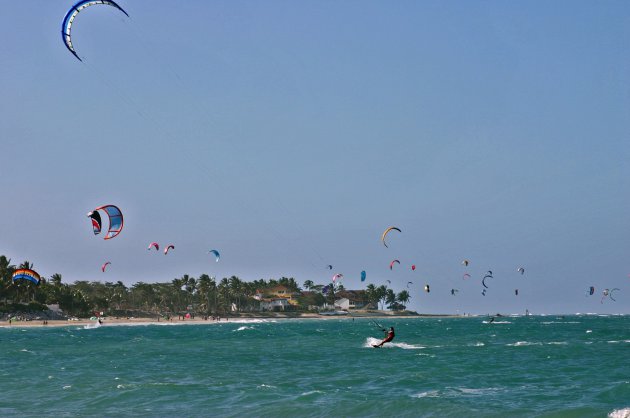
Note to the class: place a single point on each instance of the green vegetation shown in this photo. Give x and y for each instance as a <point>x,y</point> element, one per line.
<point>202,296</point>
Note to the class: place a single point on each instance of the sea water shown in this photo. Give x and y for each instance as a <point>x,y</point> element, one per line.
<point>547,366</point>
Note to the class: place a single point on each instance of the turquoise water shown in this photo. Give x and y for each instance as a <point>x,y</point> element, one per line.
<point>573,366</point>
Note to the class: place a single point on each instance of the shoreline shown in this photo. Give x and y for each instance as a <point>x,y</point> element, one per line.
<point>112,321</point>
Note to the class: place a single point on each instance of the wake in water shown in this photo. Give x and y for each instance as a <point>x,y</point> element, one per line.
<point>370,342</point>
<point>93,325</point>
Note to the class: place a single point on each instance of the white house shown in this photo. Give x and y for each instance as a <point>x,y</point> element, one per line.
<point>273,304</point>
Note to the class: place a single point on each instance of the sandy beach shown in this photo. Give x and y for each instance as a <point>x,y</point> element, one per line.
<point>117,321</point>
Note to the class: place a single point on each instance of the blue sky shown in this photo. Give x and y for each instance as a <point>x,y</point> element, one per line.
<point>289,135</point>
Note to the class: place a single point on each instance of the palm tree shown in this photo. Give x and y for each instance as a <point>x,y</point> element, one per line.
<point>403,297</point>
<point>308,284</point>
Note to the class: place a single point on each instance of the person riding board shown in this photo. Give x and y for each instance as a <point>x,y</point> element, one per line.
<point>390,336</point>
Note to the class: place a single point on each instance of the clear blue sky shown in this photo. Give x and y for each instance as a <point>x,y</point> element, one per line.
<point>288,135</point>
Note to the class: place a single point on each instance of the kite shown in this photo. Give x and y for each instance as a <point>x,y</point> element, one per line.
<point>336,277</point>
<point>104,266</point>
<point>391,265</point>
<point>216,254</point>
<point>389,281</point>
<point>453,291</point>
<point>465,262</point>
<point>26,274</point>
<point>483,281</point>
<point>115,220</point>
<point>154,245</point>
<point>466,276</point>
<point>170,247</point>
<point>591,290</point>
<point>387,232</point>
<point>426,288</point>
<point>68,20</point>
<point>413,267</point>
<point>516,292</point>
<point>329,267</point>
<point>363,276</point>
<point>408,283</point>
<point>521,270</point>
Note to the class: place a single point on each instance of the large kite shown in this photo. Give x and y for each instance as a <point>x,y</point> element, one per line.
<point>26,274</point>
<point>387,232</point>
<point>66,26</point>
<point>216,254</point>
<point>115,220</point>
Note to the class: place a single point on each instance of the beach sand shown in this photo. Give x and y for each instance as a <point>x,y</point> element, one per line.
<point>113,321</point>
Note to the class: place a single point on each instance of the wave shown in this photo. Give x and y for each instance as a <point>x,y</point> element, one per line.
<point>370,342</point>
<point>522,343</point>
<point>620,413</point>
<point>243,328</point>
<point>458,392</point>
<point>496,322</point>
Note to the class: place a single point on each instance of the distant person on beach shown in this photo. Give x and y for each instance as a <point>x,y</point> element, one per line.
<point>390,336</point>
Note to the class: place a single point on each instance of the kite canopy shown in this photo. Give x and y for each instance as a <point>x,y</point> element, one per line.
<point>363,275</point>
<point>466,276</point>
<point>413,267</point>
<point>465,262</point>
<point>521,270</point>
<point>387,232</point>
<point>154,245</point>
<point>427,288</point>
<point>104,266</point>
<point>391,265</point>
<point>216,254</point>
<point>329,267</point>
<point>168,248</point>
<point>115,220</point>
<point>26,274</point>
<point>336,277</point>
<point>68,20</point>
<point>408,283</point>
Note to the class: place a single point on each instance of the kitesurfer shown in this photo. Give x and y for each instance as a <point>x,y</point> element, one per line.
<point>390,336</point>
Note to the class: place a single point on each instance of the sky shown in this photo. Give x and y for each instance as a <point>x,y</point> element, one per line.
<point>289,135</point>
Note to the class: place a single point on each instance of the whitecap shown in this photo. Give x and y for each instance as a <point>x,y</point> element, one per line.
<point>522,343</point>
<point>588,331</point>
<point>371,342</point>
<point>620,413</point>
<point>557,343</point>
<point>66,387</point>
<point>477,344</point>
<point>427,394</point>
<point>310,392</point>
<point>243,328</point>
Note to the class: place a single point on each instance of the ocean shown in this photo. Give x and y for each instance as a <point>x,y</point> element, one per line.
<point>536,366</point>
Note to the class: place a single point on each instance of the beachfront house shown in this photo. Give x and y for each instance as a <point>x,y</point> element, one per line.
<point>344,304</point>
<point>274,304</point>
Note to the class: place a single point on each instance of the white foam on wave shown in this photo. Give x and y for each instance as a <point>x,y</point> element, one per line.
<point>620,413</point>
<point>243,328</point>
<point>522,343</point>
<point>477,344</point>
<point>496,322</point>
<point>370,342</point>
<point>588,331</point>
<point>427,394</point>
<point>557,343</point>
<point>310,392</point>
<point>93,325</point>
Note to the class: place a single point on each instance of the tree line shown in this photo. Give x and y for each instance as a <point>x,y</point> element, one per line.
<point>203,295</point>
